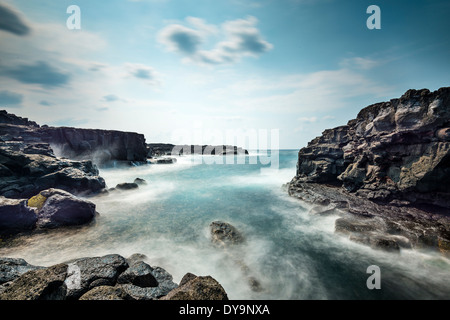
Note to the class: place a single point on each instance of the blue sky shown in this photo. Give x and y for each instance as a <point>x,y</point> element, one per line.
<point>184,71</point>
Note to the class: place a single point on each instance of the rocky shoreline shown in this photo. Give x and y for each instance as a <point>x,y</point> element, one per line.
<point>110,277</point>
<point>385,173</point>
<point>47,176</point>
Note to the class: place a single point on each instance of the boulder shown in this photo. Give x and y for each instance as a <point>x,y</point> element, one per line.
<point>165,285</point>
<point>57,208</point>
<point>12,268</point>
<point>224,234</point>
<point>105,293</point>
<point>16,216</point>
<point>127,186</point>
<point>41,284</point>
<point>140,181</point>
<point>198,288</point>
<point>138,274</point>
<point>87,273</point>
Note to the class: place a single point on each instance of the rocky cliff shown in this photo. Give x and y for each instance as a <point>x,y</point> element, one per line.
<point>391,164</point>
<point>393,150</point>
<point>99,146</point>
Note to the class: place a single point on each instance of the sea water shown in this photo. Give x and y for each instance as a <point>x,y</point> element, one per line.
<point>292,253</point>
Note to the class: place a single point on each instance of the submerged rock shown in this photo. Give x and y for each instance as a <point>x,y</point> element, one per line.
<point>224,234</point>
<point>140,181</point>
<point>127,186</point>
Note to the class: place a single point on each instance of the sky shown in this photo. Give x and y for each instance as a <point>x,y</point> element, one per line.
<point>200,72</point>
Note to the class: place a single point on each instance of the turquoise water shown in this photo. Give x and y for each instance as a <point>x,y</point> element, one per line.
<point>293,254</point>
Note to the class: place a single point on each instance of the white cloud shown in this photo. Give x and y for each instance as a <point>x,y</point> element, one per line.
<point>240,39</point>
<point>320,91</point>
<point>359,63</point>
<point>307,119</point>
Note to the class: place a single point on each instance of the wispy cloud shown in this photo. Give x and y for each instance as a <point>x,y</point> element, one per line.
<point>143,72</point>
<point>39,72</point>
<point>241,38</point>
<point>11,21</point>
<point>10,99</point>
<point>359,63</point>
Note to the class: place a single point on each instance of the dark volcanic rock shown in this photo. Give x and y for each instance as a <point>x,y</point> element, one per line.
<point>87,273</point>
<point>42,284</point>
<point>127,186</point>
<point>165,285</point>
<point>367,222</point>
<point>100,278</point>
<point>26,174</point>
<point>139,274</point>
<point>140,181</point>
<point>100,146</point>
<point>390,168</point>
<point>60,208</point>
<point>16,216</point>
<point>224,234</point>
<point>28,163</point>
<point>105,293</point>
<point>12,268</point>
<point>9,118</point>
<point>393,150</point>
<point>198,288</point>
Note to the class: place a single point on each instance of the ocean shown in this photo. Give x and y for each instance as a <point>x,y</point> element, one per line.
<point>290,252</point>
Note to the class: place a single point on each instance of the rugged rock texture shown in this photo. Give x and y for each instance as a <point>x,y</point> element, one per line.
<point>393,150</point>
<point>50,208</point>
<point>58,208</point>
<point>105,293</point>
<point>16,216</point>
<point>198,288</point>
<point>111,277</point>
<point>12,268</point>
<point>88,273</point>
<point>28,168</point>
<point>97,145</point>
<point>41,284</point>
<point>385,172</point>
<point>139,274</point>
<point>100,146</point>
<point>224,234</point>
